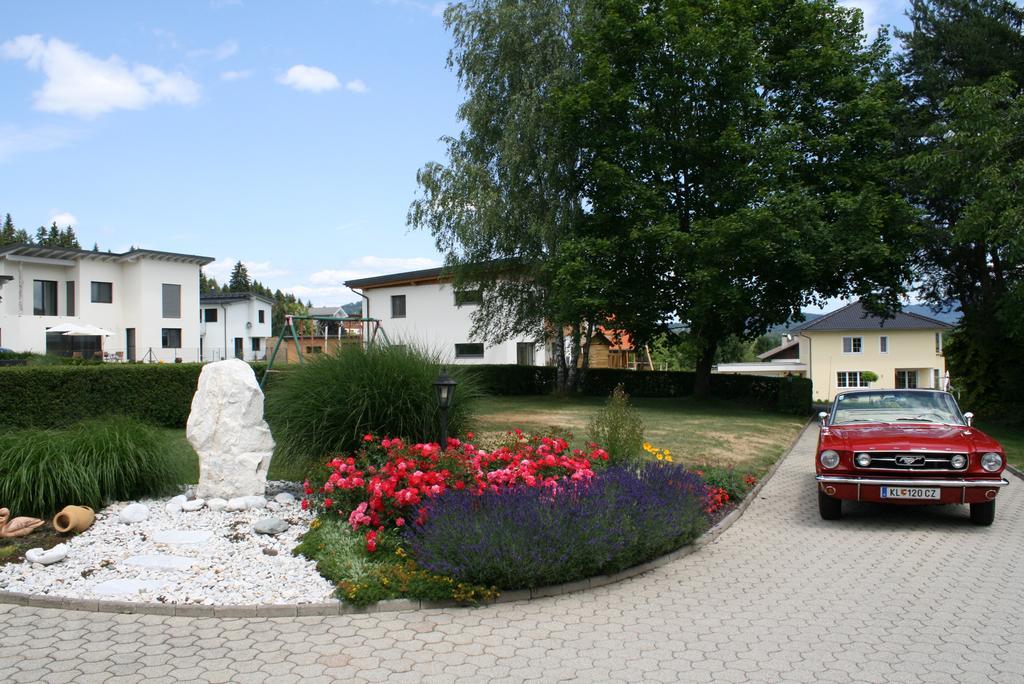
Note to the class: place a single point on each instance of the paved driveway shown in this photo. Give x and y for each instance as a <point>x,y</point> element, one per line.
<point>885,595</point>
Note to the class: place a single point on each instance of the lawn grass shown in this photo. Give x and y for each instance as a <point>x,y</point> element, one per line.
<point>1012,439</point>
<point>697,432</point>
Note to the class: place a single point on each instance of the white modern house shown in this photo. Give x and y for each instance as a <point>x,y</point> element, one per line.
<point>422,308</point>
<point>234,325</point>
<point>146,300</point>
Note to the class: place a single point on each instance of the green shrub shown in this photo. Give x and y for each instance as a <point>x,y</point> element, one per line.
<point>89,464</point>
<point>735,484</point>
<point>617,428</point>
<point>326,406</point>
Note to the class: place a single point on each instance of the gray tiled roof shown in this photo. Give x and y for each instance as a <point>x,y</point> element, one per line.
<point>855,317</point>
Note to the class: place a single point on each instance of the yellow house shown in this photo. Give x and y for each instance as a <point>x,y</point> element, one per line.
<point>838,350</point>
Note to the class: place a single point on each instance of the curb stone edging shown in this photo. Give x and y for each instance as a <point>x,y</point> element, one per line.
<point>399,605</point>
<point>1015,470</point>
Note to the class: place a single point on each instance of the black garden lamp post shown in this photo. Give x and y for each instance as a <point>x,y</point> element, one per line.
<point>445,388</point>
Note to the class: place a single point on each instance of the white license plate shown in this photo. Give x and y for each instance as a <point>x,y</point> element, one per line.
<point>923,493</point>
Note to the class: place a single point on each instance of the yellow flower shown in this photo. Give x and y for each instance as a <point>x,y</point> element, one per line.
<point>668,458</point>
<point>658,456</point>
<point>667,452</point>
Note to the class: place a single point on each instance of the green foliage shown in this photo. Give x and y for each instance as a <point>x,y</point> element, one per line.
<point>326,406</point>
<point>869,376</point>
<point>363,578</point>
<point>963,67</point>
<point>618,428</point>
<point>735,483</point>
<point>56,396</point>
<point>87,464</point>
<point>240,281</point>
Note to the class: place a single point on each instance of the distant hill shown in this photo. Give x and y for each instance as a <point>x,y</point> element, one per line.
<point>786,327</point>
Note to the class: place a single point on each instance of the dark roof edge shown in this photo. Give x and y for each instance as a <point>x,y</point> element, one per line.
<point>811,325</point>
<point>201,260</point>
<point>423,274</point>
<point>234,296</point>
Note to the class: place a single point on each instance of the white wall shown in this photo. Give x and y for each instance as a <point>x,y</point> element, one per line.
<point>137,303</point>
<point>434,322</point>
<point>238,318</point>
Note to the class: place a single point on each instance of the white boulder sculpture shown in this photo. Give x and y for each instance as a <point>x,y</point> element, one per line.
<point>227,430</point>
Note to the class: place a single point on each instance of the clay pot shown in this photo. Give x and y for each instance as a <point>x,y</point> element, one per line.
<point>74,519</point>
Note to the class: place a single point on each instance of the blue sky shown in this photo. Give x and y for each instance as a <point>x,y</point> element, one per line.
<point>287,135</point>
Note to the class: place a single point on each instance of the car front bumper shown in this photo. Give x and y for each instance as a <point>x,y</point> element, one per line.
<point>851,488</point>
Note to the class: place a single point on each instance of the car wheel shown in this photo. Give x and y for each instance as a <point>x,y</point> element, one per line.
<point>983,513</point>
<point>829,507</point>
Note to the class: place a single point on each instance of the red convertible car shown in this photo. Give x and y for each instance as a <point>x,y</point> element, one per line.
<point>906,447</point>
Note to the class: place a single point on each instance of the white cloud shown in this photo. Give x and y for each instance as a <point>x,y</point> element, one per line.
<point>309,78</point>
<point>81,84</point>
<point>236,75</point>
<point>64,218</point>
<point>356,86</point>
<point>15,141</point>
<point>226,49</point>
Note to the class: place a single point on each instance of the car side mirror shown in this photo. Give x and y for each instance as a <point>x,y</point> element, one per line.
<point>969,417</point>
<point>822,417</point>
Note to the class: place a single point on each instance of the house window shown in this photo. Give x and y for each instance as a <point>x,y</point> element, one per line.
<point>850,379</point>
<point>172,300</point>
<point>469,350</point>
<point>853,345</point>
<point>69,287</point>
<point>938,343</point>
<point>44,297</point>
<point>936,379</point>
<point>398,306</point>
<point>464,297</point>
<point>262,316</point>
<point>170,338</point>
<point>525,353</point>
<point>102,293</point>
<point>883,344</point>
<point>314,350</point>
<point>255,344</point>
<point>906,379</point>
<point>210,315</point>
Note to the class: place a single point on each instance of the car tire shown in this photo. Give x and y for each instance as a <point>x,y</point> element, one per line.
<point>983,513</point>
<point>829,507</point>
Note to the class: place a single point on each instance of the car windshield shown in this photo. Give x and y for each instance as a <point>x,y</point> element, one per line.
<point>895,406</point>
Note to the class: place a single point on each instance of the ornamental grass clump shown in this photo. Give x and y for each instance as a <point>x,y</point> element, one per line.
<point>91,463</point>
<point>617,426</point>
<point>526,537</point>
<point>327,405</point>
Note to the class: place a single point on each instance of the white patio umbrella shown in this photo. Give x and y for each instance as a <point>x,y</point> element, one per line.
<point>64,328</point>
<point>92,330</point>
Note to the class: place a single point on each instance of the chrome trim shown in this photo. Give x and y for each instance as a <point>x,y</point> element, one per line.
<point>891,482</point>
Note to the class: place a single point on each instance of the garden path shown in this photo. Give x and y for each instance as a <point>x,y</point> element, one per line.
<point>901,595</point>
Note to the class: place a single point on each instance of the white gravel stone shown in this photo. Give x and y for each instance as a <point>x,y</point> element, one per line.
<point>49,556</point>
<point>134,513</point>
<point>172,507</point>
<point>271,526</point>
<point>193,505</point>
<point>253,502</point>
<point>178,500</point>
<point>216,504</point>
<point>284,498</point>
<point>228,568</point>
<point>237,504</point>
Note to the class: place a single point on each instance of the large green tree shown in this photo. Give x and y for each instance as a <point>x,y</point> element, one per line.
<point>239,280</point>
<point>508,203</point>
<point>743,150</point>
<point>963,68</point>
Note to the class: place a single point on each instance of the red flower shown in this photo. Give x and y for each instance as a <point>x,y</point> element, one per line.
<point>400,522</point>
<point>367,438</point>
<point>328,503</point>
<point>371,541</point>
<point>305,504</point>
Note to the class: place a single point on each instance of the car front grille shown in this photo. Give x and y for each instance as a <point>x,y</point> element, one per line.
<point>912,461</point>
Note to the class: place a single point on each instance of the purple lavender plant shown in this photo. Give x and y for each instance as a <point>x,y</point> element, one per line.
<point>528,537</point>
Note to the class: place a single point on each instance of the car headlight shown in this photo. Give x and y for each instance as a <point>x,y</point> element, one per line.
<point>991,462</point>
<point>829,458</point>
<point>863,460</point>
<point>958,461</point>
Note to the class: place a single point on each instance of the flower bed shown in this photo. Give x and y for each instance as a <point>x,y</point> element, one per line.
<point>413,520</point>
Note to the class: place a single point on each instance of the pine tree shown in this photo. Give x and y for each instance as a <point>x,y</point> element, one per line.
<point>41,238</point>
<point>53,237</point>
<point>8,235</point>
<point>240,281</point>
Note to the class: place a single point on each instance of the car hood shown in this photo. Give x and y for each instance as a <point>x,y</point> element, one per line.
<point>952,438</point>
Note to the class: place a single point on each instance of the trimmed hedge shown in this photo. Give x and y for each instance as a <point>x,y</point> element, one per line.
<point>786,395</point>
<point>161,394</point>
<point>58,396</point>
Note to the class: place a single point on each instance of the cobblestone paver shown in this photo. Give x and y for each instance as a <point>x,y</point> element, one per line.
<point>887,594</point>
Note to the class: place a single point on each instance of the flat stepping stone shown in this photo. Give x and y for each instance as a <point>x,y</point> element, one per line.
<point>182,536</point>
<point>271,526</point>
<point>122,587</point>
<point>159,561</point>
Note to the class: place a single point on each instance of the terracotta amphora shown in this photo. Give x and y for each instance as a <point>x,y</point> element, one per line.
<point>74,519</point>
